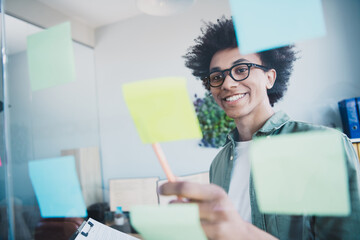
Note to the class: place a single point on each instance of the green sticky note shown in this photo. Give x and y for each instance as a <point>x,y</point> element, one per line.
<point>301,173</point>
<point>175,222</point>
<point>162,110</point>
<point>51,57</point>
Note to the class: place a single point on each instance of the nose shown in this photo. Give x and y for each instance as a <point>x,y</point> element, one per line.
<point>228,81</point>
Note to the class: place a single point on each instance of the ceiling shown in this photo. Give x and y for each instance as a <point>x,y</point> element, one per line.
<point>95,13</point>
<point>91,13</point>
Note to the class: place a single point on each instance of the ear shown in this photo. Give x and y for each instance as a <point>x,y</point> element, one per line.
<point>271,78</point>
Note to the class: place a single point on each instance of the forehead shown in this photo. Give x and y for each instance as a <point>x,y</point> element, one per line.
<point>225,58</point>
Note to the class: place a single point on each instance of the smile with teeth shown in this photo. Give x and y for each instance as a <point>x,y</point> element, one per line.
<point>235,97</point>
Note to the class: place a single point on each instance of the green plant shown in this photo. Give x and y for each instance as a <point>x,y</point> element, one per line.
<point>214,123</point>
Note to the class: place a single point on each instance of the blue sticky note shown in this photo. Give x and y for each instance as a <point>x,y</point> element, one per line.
<point>262,24</point>
<point>57,187</point>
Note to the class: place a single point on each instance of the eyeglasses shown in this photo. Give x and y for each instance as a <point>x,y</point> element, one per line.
<point>238,72</point>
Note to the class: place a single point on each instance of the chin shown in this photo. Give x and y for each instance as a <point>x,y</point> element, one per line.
<point>236,115</point>
<point>233,115</point>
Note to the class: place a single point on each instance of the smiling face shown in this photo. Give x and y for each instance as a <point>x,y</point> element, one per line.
<point>247,98</point>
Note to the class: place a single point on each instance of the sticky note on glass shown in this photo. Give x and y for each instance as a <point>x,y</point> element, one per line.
<point>51,57</point>
<point>262,25</point>
<point>57,187</point>
<point>162,110</point>
<point>176,222</point>
<point>301,173</point>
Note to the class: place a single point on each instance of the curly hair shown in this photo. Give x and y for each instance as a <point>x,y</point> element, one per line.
<point>221,35</point>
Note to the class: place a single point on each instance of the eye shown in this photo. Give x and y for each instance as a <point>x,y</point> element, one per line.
<point>216,77</point>
<point>240,70</point>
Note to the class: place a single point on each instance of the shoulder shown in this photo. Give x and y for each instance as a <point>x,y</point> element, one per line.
<point>292,126</point>
<point>297,126</point>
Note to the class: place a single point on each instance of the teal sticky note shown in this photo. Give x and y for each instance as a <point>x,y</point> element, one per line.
<point>262,25</point>
<point>301,173</point>
<point>175,222</point>
<point>51,57</point>
<point>57,187</point>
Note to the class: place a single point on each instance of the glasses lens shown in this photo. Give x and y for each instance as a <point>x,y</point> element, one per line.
<point>240,72</point>
<point>216,79</point>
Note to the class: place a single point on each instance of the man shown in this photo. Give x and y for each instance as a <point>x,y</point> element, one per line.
<point>246,87</point>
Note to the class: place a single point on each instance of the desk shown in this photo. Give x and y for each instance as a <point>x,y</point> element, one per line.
<point>356,144</point>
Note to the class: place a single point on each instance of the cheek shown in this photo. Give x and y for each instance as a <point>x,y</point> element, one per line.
<point>260,86</point>
<point>214,94</point>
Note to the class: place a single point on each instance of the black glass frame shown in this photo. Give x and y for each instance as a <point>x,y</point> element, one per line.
<point>249,65</point>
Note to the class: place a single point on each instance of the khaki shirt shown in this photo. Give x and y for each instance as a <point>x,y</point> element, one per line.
<point>288,226</point>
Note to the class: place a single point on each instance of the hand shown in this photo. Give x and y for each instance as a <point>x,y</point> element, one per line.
<point>218,215</point>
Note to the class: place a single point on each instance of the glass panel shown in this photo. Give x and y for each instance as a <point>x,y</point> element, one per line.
<point>6,203</point>
<point>45,125</point>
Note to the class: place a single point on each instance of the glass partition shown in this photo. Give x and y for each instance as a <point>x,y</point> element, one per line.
<point>51,130</point>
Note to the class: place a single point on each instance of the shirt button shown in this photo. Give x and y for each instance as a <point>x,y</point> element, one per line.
<point>231,158</point>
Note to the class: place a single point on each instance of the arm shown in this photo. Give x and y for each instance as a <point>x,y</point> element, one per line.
<point>218,216</point>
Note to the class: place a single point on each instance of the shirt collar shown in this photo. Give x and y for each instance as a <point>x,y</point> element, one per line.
<point>276,121</point>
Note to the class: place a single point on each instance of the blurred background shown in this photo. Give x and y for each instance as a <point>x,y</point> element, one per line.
<point>116,42</point>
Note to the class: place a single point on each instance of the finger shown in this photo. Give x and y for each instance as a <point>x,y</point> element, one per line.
<point>179,200</point>
<point>193,191</point>
<point>214,212</point>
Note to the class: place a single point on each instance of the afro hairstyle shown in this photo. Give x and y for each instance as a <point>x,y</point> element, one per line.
<point>221,35</point>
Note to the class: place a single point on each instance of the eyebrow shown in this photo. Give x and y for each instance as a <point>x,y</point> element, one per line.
<point>241,60</point>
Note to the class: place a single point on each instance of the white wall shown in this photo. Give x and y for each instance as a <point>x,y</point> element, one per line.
<point>327,71</point>
<point>148,47</point>
<point>141,48</point>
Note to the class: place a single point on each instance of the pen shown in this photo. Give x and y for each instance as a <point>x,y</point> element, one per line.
<point>163,162</point>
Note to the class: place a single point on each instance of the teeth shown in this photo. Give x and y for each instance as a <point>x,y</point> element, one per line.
<point>235,97</point>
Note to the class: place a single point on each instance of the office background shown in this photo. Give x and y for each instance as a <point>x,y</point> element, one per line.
<point>91,110</point>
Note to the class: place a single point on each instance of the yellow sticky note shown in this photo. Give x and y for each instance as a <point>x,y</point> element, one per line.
<point>162,110</point>
<point>175,222</point>
<point>301,173</point>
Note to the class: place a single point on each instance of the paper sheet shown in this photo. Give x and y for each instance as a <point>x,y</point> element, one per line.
<point>301,173</point>
<point>162,110</point>
<point>51,57</point>
<point>132,191</point>
<point>98,231</point>
<point>262,25</point>
<point>202,178</point>
<point>175,222</point>
<point>57,187</point>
